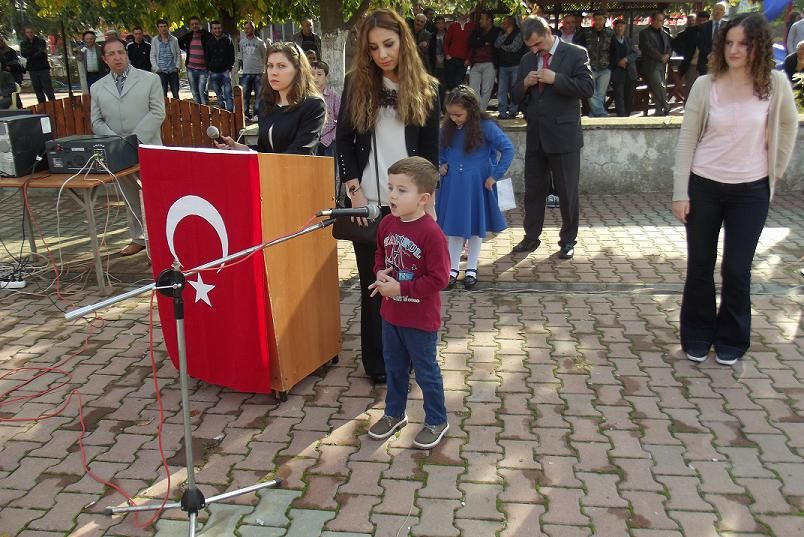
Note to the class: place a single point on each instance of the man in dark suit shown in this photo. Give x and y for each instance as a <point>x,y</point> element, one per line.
<point>623,69</point>
<point>707,35</point>
<point>654,42</point>
<point>686,43</point>
<point>552,79</point>
<point>569,31</point>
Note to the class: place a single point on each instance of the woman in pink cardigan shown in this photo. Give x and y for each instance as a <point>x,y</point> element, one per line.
<point>736,140</point>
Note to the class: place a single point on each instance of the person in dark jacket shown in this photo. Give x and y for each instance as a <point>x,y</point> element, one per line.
<point>437,55</point>
<point>708,34</point>
<point>654,42</point>
<point>483,57</point>
<point>194,44</point>
<point>292,112</point>
<point>139,50</point>
<point>686,44</point>
<point>220,60</point>
<point>552,79</point>
<point>7,89</point>
<point>307,39</point>
<point>570,32</point>
<point>34,50</point>
<point>597,41</point>
<point>510,50</point>
<point>11,61</point>
<point>623,69</point>
<point>794,63</point>
<point>384,117</point>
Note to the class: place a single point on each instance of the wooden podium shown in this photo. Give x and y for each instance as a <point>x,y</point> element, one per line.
<point>265,322</point>
<point>302,273</point>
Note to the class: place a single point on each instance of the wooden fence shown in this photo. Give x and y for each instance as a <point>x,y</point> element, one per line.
<point>185,122</point>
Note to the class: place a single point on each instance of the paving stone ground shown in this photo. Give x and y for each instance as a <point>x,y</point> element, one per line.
<point>572,410</point>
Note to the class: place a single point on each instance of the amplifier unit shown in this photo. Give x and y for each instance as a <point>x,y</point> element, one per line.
<point>71,153</point>
<point>22,139</point>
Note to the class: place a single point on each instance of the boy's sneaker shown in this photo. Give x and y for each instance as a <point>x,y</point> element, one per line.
<point>699,359</point>
<point>430,436</point>
<point>386,426</point>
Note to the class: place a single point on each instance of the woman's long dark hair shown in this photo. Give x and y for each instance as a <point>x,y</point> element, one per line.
<point>466,98</point>
<point>303,85</point>
<point>760,51</point>
<point>417,89</point>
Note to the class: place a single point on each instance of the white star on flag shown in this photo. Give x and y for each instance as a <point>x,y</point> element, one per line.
<point>202,290</point>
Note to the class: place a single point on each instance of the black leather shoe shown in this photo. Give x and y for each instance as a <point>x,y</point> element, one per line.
<point>379,379</point>
<point>470,280</point>
<point>567,251</point>
<point>527,245</point>
<point>452,279</point>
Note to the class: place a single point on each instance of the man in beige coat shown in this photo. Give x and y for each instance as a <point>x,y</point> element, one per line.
<point>128,101</point>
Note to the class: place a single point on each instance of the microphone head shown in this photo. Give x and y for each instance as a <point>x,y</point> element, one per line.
<point>373,212</point>
<point>213,132</point>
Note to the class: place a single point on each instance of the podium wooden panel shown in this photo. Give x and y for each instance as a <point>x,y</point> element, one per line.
<point>302,273</point>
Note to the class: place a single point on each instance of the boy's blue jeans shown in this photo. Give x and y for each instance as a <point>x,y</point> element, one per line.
<point>400,347</point>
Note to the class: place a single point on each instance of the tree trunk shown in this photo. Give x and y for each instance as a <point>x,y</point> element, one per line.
<point>229,25</point>
<point>333,46</point>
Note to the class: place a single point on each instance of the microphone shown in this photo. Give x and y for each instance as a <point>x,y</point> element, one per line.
<point>215,134</point>
<point>370,211</point>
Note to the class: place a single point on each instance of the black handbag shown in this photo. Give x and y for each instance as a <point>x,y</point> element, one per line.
<point>347,230</point>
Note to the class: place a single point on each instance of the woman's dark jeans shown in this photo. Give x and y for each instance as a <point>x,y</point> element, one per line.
<point>741,209</point>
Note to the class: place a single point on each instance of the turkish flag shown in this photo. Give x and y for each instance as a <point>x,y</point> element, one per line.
<point>201,205</point>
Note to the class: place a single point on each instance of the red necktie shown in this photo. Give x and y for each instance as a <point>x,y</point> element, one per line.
<point>545,65</point>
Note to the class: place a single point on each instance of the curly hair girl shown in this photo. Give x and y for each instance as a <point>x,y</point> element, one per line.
<point>463,98</point>
<point>417,89</point>
<point>759,48</point>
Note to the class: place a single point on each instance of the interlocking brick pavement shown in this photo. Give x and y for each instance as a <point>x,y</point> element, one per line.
<point>572,410</point>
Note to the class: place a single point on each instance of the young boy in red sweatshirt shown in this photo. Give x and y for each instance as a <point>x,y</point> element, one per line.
<point>412,266</point>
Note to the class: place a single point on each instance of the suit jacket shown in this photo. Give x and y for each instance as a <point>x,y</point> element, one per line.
<point>686,43</point>
<point>82,58</point>
<point>790,64</point>
<point>705,43</point>
<point>139,110</point>
<point>630,53</point>
<point>577,37</point>
<point>653,45</point>
<point>554,114</point>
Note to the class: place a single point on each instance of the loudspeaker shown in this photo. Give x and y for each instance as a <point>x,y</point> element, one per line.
<point>22,139</point>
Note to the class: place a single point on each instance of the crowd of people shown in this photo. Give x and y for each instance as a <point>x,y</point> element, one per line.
<point>433,175</point>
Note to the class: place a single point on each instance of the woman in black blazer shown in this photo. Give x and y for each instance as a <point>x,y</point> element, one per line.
<point>292,111</point>
<point>390,103</point>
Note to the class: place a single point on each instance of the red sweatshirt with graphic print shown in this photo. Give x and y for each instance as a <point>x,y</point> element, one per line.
<point>417,252</point>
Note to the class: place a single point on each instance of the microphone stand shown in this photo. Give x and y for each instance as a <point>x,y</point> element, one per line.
<point>171,283</point>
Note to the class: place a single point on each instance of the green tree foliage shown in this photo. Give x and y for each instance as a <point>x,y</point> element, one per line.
<point>333,14</point>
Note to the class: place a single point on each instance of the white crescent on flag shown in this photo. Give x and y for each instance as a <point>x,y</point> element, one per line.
<point>196,206</point>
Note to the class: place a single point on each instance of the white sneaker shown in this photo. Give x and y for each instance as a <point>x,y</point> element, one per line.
<point>698,359</point>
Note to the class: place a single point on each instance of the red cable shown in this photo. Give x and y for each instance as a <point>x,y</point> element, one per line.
<point>6,400</point>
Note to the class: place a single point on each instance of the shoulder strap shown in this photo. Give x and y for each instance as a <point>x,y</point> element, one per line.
<point>376,167</point>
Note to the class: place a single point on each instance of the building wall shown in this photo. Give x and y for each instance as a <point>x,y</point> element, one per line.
<point>633,155</point>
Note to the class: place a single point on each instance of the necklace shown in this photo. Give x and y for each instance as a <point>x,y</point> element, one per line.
<point>388,98</point>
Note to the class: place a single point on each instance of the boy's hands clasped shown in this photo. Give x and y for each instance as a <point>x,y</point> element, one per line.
<point>385,284</point>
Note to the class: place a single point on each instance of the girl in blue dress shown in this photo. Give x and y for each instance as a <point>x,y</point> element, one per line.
<point>475,154</point>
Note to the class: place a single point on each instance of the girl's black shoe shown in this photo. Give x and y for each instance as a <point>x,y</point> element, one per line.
<point>453,277</point>
<point>470,279</point>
